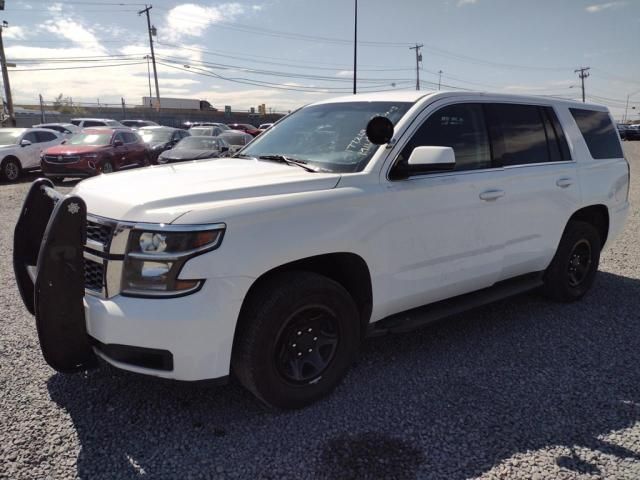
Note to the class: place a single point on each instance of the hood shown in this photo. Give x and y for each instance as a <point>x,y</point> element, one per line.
<point>189,154</point>
<point>74,149</point>
<point>163,193</point>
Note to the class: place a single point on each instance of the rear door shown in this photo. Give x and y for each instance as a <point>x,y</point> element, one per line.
<point>542,189</point>
<point>30,154</point>
<point>136,149</point>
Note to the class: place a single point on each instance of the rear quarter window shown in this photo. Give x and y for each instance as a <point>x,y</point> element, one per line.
<point>598,132</point>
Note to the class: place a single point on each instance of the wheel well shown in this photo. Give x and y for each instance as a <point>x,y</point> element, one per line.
<point>348,269</point>
<point>11,157</point>
<point>596,215</point>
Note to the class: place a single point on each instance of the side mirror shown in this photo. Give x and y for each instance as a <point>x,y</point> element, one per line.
<point>224,149</point>
<point>432,159</point>
<point>25,143</point>
<point>118,143</point>
<point>425,160</point>
<point>63,141</point>
<point>379,130</point>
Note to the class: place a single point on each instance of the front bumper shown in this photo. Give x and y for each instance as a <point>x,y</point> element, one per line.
<point>183,338</point>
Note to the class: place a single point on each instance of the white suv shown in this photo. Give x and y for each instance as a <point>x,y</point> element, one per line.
<point>355,216</point>
<point>20,149</point>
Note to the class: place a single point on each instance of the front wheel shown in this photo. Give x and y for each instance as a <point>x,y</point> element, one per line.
<point>575,264</point>
<point>107,167</point>
<point>298,335</point>
<point>10,169</point>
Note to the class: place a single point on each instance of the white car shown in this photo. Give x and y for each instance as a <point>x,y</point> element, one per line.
<point>355,216</point>
<point>20,149</point>
<point>96,122</point>
<point>66,129</point>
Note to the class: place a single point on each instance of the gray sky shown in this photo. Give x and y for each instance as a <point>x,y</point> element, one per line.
<point>285,53</point>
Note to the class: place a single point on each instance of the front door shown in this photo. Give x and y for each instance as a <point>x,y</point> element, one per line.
<point>448,236</point>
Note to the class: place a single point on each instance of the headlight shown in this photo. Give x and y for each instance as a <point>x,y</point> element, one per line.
<point>155,256</point>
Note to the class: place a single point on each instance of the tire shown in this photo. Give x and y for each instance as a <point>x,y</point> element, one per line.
<point>10,169</point>
<point>575,264</point>
<point>107,167</point>
<point>277,326</point>
<point>161,160</point>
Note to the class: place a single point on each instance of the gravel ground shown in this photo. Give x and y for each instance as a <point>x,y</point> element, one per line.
<point>520,389</point>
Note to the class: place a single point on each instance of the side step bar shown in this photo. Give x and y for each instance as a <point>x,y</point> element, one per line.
<point>418,317</point>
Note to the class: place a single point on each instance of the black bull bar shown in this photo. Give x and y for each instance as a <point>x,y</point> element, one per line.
<point>48,262</point>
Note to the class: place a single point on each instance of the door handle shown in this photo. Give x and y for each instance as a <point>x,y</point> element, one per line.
<point>564,182</point>
<point>490,195</point>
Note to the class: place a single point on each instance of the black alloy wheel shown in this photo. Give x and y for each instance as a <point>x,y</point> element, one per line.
<point>579,263</point>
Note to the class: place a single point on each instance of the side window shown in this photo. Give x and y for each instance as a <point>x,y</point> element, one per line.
<point>598,132</point>
<point>460,127</point>
<point>518,134</point>
<point>119,136</point>
<point>31,136</point>
<point>556,128</point>
<point>93,123</point>
<point>130,137</point>
<point>46,137</point>
<point>75,122</point>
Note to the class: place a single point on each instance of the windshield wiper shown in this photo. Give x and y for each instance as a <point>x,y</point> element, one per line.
<point>241,155</point>
<point>289,161</point>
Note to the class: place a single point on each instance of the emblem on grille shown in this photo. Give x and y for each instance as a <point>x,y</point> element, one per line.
<point>60,158</point>
<point>73,208</point>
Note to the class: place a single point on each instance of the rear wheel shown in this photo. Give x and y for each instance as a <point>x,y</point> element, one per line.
<point>10,169</point>
<point>297,338</point>
<point>575,264</point>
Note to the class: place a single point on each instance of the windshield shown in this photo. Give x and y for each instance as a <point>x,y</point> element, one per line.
<point>331,135</point>
<point>9,136</point>
<point>198,143</point>
<point>90,139</point>
<point>155,135</point>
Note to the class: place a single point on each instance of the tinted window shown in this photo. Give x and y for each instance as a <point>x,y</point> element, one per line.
<point>31,136</point>
<point>460,127</point>
<point>599,133</point>
<point>130,137</point>
<point>550,114</point>
<point>75,122</point>
<point>46,136</point>
<point>93,123</point>
<point>119,136</point>
<point>518,134</point>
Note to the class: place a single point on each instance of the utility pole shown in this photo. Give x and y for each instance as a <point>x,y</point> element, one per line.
<point>418,60</point>
<point>152,31</point>
<point>43,118</point>
<point>440,72</point>
<point>147,58</point>
<point>583,73</point>
<point>124,110</point>
<point>355,45</point>
<point>5,78</point>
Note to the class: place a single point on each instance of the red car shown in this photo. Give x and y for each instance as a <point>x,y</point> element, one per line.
<point>245,127</point>
<point>93,151</point>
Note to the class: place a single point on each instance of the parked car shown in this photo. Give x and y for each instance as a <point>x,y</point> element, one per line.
<point>96,122</point>
<point>195,148</point>
<point>236,139</point>
<point>265,126</point>
<point>632,132</point>
<point>356,216</point>
<point>134,124</point>
<point>20,149</point>
<point>94,151</point>
<point>66,129</point>
<point>245,127</point>
<point>159,139</point>
<point>189,125</point>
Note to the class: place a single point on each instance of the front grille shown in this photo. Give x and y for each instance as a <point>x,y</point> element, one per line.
<point>99,232</point>
<point>61,158</point>
<point>93,275</point>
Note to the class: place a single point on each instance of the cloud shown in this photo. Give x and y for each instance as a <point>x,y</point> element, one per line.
<point>15,32</point>
<point>345,73</point>
<point>462,3</point>
<point>192,20</point>
<point>604,6</point>
<point>73,31</point>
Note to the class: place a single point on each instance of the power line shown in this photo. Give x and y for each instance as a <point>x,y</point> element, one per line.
<point>75,68</point>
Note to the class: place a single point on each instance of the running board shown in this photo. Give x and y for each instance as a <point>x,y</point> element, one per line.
<point>418,317</point>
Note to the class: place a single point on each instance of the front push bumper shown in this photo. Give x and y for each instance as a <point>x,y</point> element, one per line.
<point>48,263</point>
